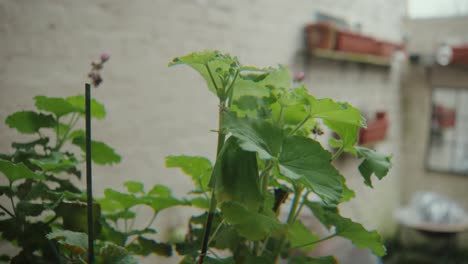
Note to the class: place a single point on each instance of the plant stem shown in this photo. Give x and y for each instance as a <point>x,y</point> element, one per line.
<point>212,78</point>
<point>290,220</point>
<point>337,153</point>
<point>211,211</point>
<point>317,241</point>
<point>215,232</point>
<point>299,125</point>
<point>295,204</point>
<point>280,116</point>
<point>71,124</point>
<point>304,199</point>
<point>264,176</point>
<point>230,90</point>
<point>6,211</point>
<point>57,133</point>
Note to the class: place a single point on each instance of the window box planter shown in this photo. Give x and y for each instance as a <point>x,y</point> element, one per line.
<point>386,49</point>
<point>320,36</point>
<point>355,43</point>
<point>376,129</point>
<point>460,55</point>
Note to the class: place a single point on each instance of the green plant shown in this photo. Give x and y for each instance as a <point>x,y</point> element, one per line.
<point>43,209</point>
<point>267,152</point>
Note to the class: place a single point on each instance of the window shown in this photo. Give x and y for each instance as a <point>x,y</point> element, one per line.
<point>448,146</point>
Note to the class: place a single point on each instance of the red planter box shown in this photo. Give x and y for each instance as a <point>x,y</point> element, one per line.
<point>321,36</point>
<point>355,43</point>
<point>376,129</point>
<point>445,117</point>
<point>460,55</point>
<point>386,49</point>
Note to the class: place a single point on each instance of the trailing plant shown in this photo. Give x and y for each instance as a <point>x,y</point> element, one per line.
<point>267,153</point>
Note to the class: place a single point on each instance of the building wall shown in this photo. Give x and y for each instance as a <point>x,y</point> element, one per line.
<point>416,106</point>
<point>155,111</point>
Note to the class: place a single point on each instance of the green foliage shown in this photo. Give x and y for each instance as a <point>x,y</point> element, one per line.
<point>267,152</point>
<point>29,122</point>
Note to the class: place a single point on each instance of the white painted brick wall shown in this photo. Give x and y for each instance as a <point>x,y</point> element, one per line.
<point>154,111</point>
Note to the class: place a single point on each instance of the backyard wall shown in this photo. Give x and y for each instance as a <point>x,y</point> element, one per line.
<point>154,111</point>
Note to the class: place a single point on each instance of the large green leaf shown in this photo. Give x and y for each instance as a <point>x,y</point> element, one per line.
<point>373,163</point>
<point>199,168</point>
<point>57,105</point>
<point>328,109</point>
<point>147,246</point>
<point>111,253</point>
<point>301,259</point>
<point>161,203</point>
<point>18,171</point>
<point>346,228</point>
<point>303,159</point>
<point>101,153</point>
<point>299,234</point>
<point>124,199</point>
<point>236,176</point>
<point>56,162</point>
<point>76,242</point>
<point>348,133</point>
<point>160,190</point>
<point>255,135</point>
<point>29,122</point>
<point>204,60</point>
<point>134,187</point>
<point>98,110</point>
<point>252,225</point>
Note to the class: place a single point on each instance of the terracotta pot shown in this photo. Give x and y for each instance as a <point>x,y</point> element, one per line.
<point>376,129</point>
<point>445,116</point>
<point>460,55</point>
<point>355,43</point>
<point>320,36</point>
<point>386,49</point>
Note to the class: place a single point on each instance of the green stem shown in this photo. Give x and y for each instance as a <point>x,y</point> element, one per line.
<point>264,177</point>
<point>317,241</point>
<point>294,206</point>
<point>6,211</point>
<point>71,124</point>
<point>299,125</point>
<point>12,202</point>
<point>215,232</point>
<point>280,116</point>
<point>337,153</point>
<point>290,221</point>
<point>230,90</point>
<point>57,133</point>
<point>213,202</point>
<point>304,199</point>
<point>212,78</point>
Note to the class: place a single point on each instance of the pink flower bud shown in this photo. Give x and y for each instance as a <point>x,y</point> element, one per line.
<point>105,56</point>
<point>299,77</point>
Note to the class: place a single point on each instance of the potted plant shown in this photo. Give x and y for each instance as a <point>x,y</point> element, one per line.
<point>266,155</point>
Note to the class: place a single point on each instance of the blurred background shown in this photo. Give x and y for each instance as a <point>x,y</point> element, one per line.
<point>402,63</point>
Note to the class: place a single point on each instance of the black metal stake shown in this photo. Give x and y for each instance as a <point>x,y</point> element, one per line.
<point>89,179</point>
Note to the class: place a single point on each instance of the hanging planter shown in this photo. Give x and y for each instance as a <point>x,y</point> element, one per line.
<point>320,36</point>
<point>386,49</point>
<point>376,129</point>
<point>445,116</point>
<point>355,43</point>
<point>460,55</point>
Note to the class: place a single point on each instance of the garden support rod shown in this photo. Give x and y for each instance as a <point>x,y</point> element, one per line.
<point>89,181</point>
